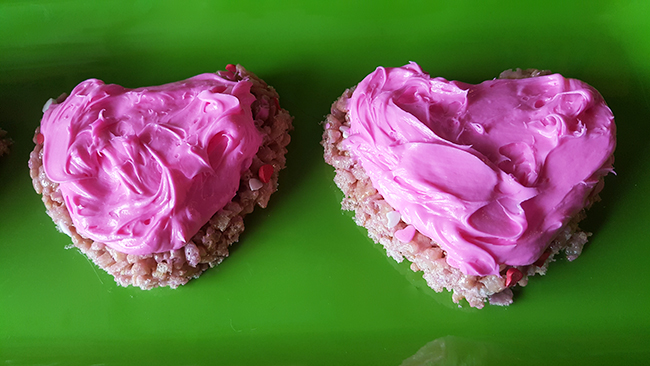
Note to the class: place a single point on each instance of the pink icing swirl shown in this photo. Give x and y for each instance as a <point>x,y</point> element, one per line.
<point>491,172</point>
<point>142,170</point>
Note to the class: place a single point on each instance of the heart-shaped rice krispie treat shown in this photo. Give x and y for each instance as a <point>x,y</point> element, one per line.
<point>153,183</point>
<point>479,186</point>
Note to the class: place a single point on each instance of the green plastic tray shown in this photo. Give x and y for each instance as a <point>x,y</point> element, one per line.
<point>304,285</point>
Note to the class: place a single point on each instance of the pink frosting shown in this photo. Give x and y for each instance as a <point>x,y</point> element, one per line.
<point>491,172</point>
<point>142,170</point>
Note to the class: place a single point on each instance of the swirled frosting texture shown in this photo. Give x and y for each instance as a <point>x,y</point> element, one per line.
<point>142,170</point>
<point>491,172</point>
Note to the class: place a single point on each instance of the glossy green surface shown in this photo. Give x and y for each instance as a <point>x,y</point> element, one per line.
<point>305,286</point>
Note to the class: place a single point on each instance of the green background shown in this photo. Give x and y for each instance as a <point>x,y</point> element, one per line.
<point>305,286</point>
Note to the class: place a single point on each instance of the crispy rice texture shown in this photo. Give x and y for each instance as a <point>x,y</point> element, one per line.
<point>210,245</point>
<point>425,255</point>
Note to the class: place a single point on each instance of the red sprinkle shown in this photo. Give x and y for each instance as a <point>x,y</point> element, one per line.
<point>265,172</point>
<point>277,103</point>
<point>40,138</point>
<point>513,275</point>
<point>540,262</point>
<point>232,68</point>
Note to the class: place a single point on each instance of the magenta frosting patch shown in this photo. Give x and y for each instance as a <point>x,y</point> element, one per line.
<point>142,170</point>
